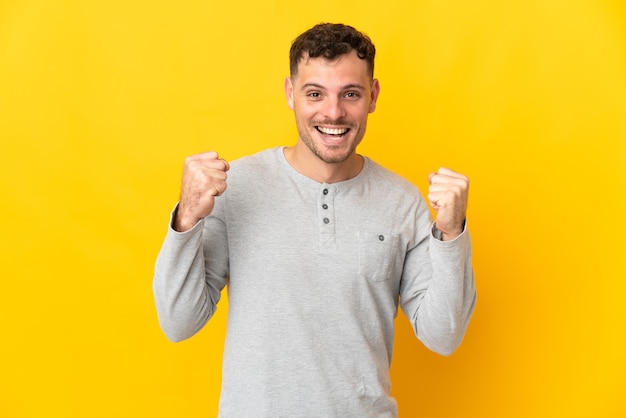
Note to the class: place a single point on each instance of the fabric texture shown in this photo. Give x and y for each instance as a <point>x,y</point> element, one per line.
<point>315,275</point>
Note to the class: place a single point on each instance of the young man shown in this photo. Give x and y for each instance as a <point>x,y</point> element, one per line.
<point>318,245</point>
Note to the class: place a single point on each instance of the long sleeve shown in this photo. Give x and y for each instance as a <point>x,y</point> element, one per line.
<point>190,272</point>
<point>438,292</point>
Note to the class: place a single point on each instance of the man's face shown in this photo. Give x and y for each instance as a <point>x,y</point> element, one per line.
<point>331,101</point>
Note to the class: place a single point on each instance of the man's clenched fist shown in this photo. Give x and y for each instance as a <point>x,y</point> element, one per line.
<point>448,196</point>
<point>204,178</point>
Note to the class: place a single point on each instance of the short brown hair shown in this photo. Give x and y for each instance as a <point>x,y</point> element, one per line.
<point>331,40</point>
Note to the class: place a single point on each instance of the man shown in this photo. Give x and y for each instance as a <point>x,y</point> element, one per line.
<point>318,245</point>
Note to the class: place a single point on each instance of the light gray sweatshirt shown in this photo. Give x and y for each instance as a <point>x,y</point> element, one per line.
<point>315,273</point>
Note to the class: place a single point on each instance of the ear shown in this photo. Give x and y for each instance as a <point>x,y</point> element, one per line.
<point>289,92</point>
<point>374,95</point>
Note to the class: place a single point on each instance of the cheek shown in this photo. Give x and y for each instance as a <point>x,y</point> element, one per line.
<point>303,113</point>
<point>361,114</point>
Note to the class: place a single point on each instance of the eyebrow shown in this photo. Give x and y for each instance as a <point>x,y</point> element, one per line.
<point>346,87</point>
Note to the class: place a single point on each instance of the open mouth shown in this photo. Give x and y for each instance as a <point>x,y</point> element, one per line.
<point>333,132</point>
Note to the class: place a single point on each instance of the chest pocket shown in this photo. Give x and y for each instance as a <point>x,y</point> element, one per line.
<point>380,256</point>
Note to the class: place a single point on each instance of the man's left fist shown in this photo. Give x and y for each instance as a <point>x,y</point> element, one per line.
<point>447,194</point>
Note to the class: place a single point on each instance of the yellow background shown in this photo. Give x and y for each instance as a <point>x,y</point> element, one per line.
<point>100,101</point>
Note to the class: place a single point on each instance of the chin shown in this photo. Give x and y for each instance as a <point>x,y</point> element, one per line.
<point>334,157</point>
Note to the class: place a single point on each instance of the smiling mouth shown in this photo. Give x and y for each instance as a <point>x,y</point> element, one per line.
<point>334,132</point>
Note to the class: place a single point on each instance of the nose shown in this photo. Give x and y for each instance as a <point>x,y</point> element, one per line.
<point>333,109</point>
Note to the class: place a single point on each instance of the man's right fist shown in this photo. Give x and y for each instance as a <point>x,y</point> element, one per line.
<point>204,178</point>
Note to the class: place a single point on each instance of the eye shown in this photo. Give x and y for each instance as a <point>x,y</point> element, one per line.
<point>314,94</point>
<point>352,95</point>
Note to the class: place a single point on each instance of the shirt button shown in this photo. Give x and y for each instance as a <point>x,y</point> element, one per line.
<point>326,220</point>
<point>381,237</point>
<point>325,206</point>
<point>325,191</point>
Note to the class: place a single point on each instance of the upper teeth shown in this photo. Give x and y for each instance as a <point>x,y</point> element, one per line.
<point>333,131</point>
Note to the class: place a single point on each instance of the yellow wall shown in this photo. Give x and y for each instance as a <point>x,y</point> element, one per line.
<point>100,101</point>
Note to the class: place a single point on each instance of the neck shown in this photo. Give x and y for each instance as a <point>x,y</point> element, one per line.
<point>321,171</point>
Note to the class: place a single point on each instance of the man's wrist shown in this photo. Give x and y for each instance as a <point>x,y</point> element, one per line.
<point>181,224</point>
<point>447,236</point>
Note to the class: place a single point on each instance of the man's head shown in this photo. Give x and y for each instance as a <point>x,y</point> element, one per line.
<point>330,41</point>
<point>331,91</point>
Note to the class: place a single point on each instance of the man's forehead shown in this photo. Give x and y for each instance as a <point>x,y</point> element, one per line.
<point>349,64</point>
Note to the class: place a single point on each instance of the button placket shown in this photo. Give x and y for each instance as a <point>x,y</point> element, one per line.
<point>326,213</point>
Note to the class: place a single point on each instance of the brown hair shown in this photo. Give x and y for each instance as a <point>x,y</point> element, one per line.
<point>331,40</point>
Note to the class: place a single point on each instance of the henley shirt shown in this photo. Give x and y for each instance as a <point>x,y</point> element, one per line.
<point>315,273</point>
